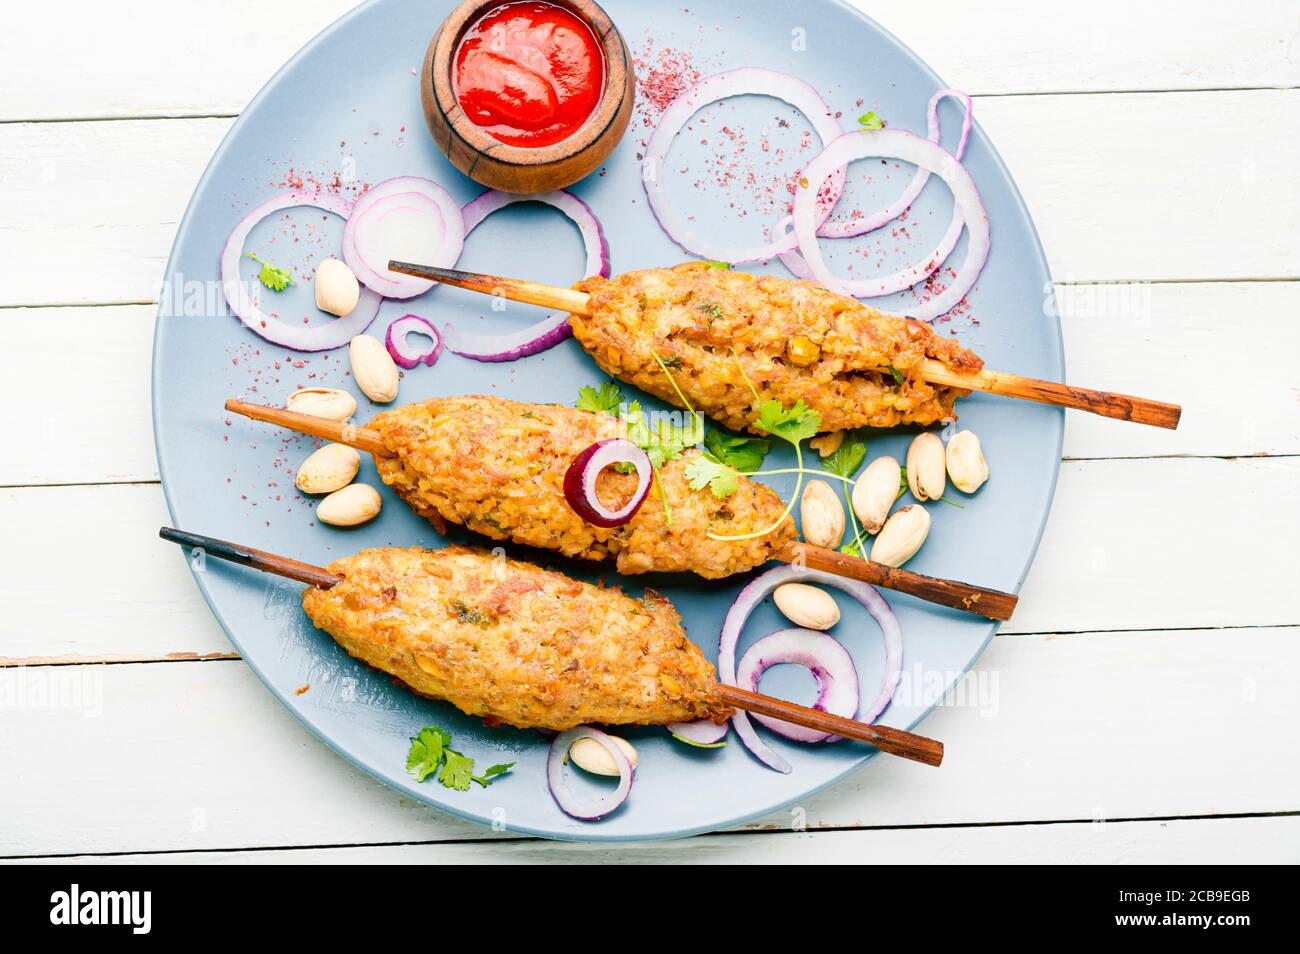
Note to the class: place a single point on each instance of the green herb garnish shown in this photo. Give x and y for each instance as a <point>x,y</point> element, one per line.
<point>743,453</point>
<point>717,266</point>
<point>274,278</point>
<point>870,120</point>
<point>899,378</point>
<point>845,460</point>
<point>430,749</point>
<point>605,400</point>
<point>707,471</point>
<point>710,308</point>
<point>792,424</point>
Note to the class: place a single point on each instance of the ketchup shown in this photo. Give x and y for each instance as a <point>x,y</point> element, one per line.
<point>530,73</point>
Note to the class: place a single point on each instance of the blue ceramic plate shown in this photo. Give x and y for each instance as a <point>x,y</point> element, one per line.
<point>348,106</point>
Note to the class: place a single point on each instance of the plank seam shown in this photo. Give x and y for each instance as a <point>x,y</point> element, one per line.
<point>745,832</point>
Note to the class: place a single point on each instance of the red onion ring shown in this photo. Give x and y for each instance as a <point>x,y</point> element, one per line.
<point>553,329</point>
<point>822,655</point>
<point>699,732</point>
<point>404,353</point>
<point>580,481</point>
<point>392,284</point>
<point>744,81</point>
<point>555,773</point>
<point>897,144</point>
<point>753,594</point>
<point>300,337</point>
<point>534,339</point>
<point>850,228</point>
<point>593,235</point>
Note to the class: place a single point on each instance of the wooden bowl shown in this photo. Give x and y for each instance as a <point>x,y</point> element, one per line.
<point>517,168</point>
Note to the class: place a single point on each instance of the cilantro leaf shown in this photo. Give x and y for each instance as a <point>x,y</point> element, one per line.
<point>663,442</point>
<point>870,120</point>
<point>852,549</point>
<point>743,453</point>
<point>426,752</point>
<point>717,266</point>
<point>792,424</point>
<point>430,750</point>
<point>845,460</point>
<point>457,771</point>
<point>276,279</point>
<point>903,486</point>
<point>708,470</point>
<point>488,777</point>
<point>606,400</point>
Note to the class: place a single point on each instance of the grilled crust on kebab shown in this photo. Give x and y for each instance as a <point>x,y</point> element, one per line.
<point>498,466</point>
<point>509,641</point>
<point>794,339</point>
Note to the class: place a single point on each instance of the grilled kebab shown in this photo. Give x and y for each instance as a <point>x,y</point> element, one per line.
<point>741,339</point>
<point>509,641</point>
<point>498,466</point>
<point>734,340</point>
<point>516,644</point>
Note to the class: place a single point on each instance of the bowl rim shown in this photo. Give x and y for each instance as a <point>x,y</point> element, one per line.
<point>617,68</point>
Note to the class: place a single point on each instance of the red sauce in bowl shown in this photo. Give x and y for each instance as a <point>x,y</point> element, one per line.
<point>530,74</point>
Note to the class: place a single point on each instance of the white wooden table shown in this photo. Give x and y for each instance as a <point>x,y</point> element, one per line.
<point>1148,690</point>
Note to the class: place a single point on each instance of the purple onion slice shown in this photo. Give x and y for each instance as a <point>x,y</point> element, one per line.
<point>822,655</point>
<point>299,337</point>
<point>555,774</point>
<point>406,354</point>
<point>753,594</point>
<point>896,144</point>
<point>580,481</point>
<point>367,244</point>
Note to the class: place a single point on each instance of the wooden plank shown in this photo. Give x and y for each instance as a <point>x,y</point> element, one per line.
<point>1169,341</point>
<point>1131,544</point>
<point>95,425</point>
<point>1156,186</point>
<point>1117,189</point>
<point>1267,840</point>
<point>148,65</point>
<point>1156,340</point>
<point>198,756</point>
<point>141,603</point>
<point>1166,543</point>
<point>107,196</point>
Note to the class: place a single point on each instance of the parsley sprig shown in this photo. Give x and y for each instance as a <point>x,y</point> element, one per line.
<point>273,277</point>
<point>603,401</point>
<point>431,750</point>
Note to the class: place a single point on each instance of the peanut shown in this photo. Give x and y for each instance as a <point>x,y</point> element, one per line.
<point>806,606</point>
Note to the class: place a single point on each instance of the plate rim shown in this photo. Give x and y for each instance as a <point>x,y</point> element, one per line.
<point>591,833</point>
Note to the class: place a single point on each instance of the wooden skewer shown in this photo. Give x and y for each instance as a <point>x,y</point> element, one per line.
<point>894,741</point>
<point>257,559</point>
<point>898,742</point>
<point>1106,403</point>
<point>992,604</point>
